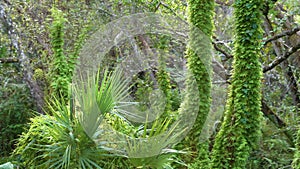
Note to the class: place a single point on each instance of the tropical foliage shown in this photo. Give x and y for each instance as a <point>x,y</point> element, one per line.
<point>51,117</point>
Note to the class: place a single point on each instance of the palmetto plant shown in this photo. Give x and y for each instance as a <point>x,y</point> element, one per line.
<point>74,137</point>
<point>112,101</point>
<point>149,149</point>
<point>58,142</point>
<point>97,98</point>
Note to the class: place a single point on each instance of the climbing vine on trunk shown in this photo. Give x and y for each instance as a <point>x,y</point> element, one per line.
<point>60,77</point>
<point>200,17</point>
<point>240,129</point>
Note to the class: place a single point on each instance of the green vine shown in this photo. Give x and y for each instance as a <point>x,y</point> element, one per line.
<point>63,65</point>
<point>240,130</point>
<point>163,77</point>
<point>200,15</point>
<point>60,76</point>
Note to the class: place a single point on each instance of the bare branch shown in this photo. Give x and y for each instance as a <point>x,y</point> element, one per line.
<point>170,9</point>
<point>157,6</point>
<point>7,2</point>
<point>9,60</point>
<point>285,33</point>
<point>277,121</point>
<point>224,43</point>
<point>227,55</point>
<point>279,60</point>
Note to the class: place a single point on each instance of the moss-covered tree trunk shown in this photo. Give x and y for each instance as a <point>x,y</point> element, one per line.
<point>240,129</point>
<point>200,15</point>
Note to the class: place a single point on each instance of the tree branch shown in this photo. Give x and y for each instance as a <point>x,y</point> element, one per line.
<point>277,121</point>
<point>157,6</point>
<point>7,2</point>
<point>285,33</point>
<point>227,55</point>
<point>9,60</point>
<point>170,9</point>
<point>279,60</point>
<point>219,69</point>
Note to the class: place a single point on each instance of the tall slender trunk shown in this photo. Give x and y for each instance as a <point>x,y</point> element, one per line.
<point>240,129</point>
<point>200,13</point>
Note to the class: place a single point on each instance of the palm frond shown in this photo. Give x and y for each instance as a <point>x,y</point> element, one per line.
<point>96,98</point>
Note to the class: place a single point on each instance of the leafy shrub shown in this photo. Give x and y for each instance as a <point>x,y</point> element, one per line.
<point>274,150</point>
<point>14,114</point>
